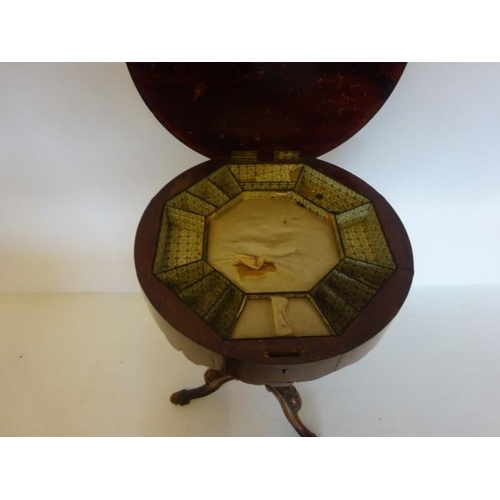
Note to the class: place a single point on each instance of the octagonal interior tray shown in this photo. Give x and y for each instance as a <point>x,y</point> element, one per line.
<point>271,250</point>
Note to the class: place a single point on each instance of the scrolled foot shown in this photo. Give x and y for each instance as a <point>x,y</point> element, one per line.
<point>213,381</point>
<point>291,403</point>
<point>180,398</point>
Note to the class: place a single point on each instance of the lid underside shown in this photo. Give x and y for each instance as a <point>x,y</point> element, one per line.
<point>219,108</point>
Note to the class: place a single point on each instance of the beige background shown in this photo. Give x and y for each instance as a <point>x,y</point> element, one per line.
<point>97,365</point>
<point>81,156</point>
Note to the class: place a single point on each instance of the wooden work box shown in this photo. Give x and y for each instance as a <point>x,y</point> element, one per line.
<point>272,266</point>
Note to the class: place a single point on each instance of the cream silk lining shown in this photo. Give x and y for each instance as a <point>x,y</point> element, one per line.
<point>273,245</point>
<point>294,317</point>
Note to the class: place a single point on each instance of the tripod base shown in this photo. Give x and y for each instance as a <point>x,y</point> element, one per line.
<point>288,397</point>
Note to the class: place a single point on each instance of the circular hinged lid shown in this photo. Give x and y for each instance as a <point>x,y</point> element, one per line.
<point>219,108</point>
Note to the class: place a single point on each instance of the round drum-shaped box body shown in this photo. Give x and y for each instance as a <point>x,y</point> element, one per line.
<point>274,272</point>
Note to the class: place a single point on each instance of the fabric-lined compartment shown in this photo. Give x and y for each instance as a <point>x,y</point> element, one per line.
<point>276,229</point>
<point>362,236</point>
<point>180,241</point>
<point>272,244</point>
<point>257,319</point>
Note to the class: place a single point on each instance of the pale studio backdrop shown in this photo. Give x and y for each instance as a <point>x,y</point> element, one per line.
<point>81,156</point>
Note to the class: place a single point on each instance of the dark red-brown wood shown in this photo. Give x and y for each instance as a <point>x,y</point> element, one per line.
<point>214,380</point>
<point>216,108</point>
<point>287,396</point>
<point>291,403</point>
<point>246,359</point>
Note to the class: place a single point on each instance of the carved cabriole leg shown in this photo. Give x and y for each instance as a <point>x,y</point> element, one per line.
<point>291,403</point>
<point>213,380</point>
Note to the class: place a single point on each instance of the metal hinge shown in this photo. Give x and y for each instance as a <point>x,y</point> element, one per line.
<point>244,155</point>
<point>286,155</point>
